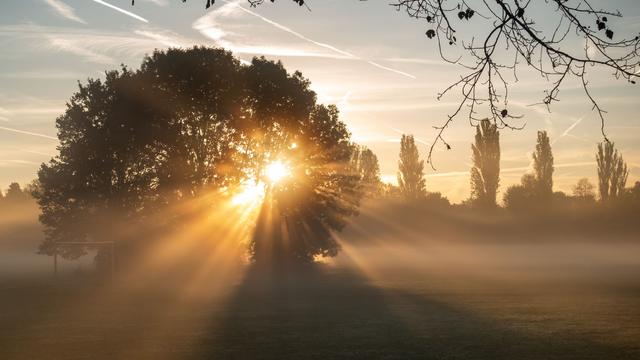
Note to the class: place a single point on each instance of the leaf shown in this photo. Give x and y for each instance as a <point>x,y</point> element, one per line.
<point>601,25</point>
<point>609,33</point>
<point>504,113</point>
<point>461,15</point>
<point>469,13</point>
<point>430,33</point>
<point>604,18</point>
<point>520,12</point>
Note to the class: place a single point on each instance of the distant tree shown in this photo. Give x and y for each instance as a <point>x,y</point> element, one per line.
<point>437,200</point>
<point>485,173</point>
<point>543,166</point>
<point>390,191</point>
<point>15,193</point>
<point>369,170</point>
<point>612,171</point>
<point>410,170</point>
<point>632,197</point>
<point>584,190</point>
<point>369,166</point>
<point>190,123</point>
<point>522,197</point>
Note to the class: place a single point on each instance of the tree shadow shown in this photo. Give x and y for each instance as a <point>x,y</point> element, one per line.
<point>319,312</point>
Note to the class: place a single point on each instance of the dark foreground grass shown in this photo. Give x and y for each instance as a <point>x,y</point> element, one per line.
<point>402,311</point>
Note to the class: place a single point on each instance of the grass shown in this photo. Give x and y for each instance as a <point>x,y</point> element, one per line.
<point>388,310</point>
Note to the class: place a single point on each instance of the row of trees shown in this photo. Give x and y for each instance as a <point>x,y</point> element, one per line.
<point>535,189</point>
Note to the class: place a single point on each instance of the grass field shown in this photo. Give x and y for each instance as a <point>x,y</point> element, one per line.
<point>427,299</point>
<point>538,309</point>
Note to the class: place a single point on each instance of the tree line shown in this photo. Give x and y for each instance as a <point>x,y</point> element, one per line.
<point>191,127</point>
<point>535,191</point>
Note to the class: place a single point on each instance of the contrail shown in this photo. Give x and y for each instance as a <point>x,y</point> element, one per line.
<point>566,132</point>
<point>415,138</point>
<point>28,133</point>
<point>324,45</point>
<point>129,13</point>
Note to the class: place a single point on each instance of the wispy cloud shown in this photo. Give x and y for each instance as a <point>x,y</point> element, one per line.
<point>158,2</point>
<point>23,132</point>
<point>101,47</point>
<point>421,141</point>
<point>208,26</point>
<point>11,163</point>
<point>41,74</point>
<point>34,109</point>
<point>64,10</point>
<point>121,10</point>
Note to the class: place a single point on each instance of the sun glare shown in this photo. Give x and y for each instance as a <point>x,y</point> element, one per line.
<point>251,193</point>
<point>276,171</point>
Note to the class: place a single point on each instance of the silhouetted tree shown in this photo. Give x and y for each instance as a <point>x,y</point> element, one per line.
<point>485,173</point>
<point>522,197</point>
<point>367,167</point>
<point>410,170</point>
<point>584,190</point>
<point>192,122</point>
<point>15,194</point>
<point>543,166</point>
<point>612,171</point>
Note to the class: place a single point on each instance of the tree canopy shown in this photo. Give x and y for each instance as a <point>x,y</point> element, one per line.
<point>189,123</point>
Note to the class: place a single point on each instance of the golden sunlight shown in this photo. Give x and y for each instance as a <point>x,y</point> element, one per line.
<point>276,171</point>
<point>251,193</point>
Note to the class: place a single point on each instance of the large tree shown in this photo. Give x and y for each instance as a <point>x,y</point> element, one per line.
<point>612,171</point>
<point>410,169</point>
<point>543,166</point>
<point>187,124</point>
<point>485,173</point>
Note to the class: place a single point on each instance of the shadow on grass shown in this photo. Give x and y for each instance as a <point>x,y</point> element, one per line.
<point>306,313</point>
<point>322,313</point>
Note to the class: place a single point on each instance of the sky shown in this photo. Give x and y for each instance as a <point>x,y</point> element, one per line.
<point>373,62</point>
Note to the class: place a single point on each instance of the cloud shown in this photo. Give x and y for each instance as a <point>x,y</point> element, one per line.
<point>11,163</point>
<point>158,2</point>
<point>417,61</point>
<point>417,139</point>
<point>18,131</point>
<point>42,74</point>
<point>126,12</point>
<point>101,47</point>
<point>209,26</point>
<point>64,10</point>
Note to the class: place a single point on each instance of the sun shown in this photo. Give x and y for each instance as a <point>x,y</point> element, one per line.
<point>277,171</point>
